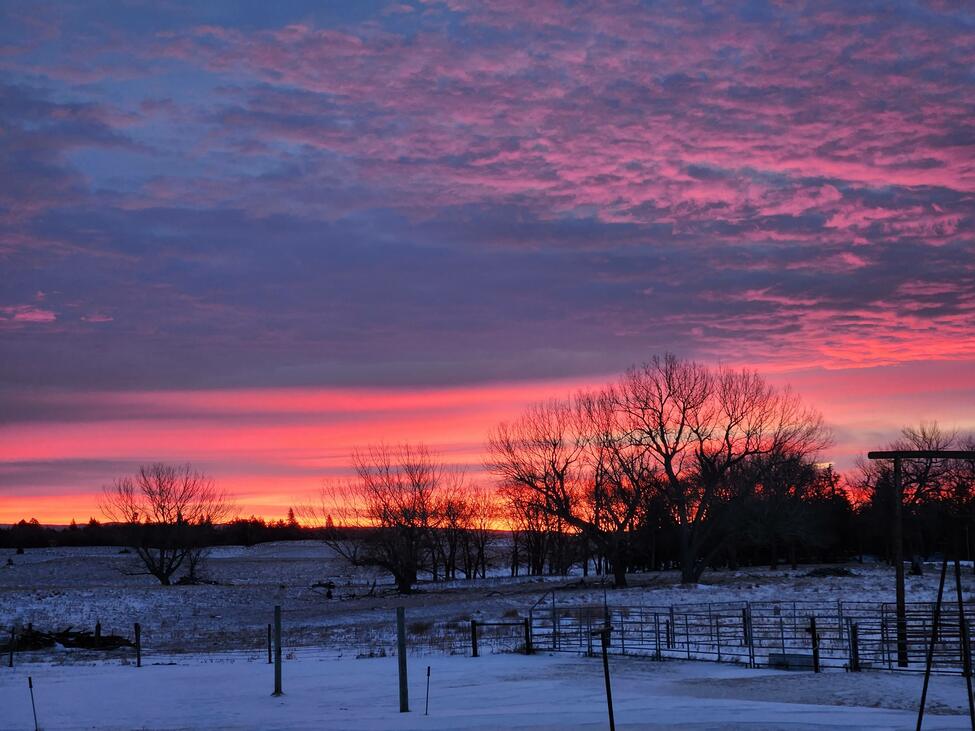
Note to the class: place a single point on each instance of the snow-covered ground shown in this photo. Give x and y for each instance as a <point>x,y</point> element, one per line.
<point>491,692</point>
<point>57,587</point>
<point>205,666</point>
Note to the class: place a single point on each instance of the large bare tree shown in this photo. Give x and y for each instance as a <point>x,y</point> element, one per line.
<point>164,510</point>
<point>388,513</point>
<point>670,429</point>
<point>699,424</point>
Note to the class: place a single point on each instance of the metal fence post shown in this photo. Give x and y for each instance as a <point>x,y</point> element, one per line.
<point>604,634</point>
<point>656,633</point>
<point>33,706</point>
<point>966,648</point>
<point>884,649</point>
<point>555,625</point>
<point>751,637</point>
<point>717,627</point>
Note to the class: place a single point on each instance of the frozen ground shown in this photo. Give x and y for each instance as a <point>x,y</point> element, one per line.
<point>192,679</point>
<point>54,588</point>
<point>491,692</point>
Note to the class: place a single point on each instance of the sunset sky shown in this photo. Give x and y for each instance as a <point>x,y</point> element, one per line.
<point>252,235</point>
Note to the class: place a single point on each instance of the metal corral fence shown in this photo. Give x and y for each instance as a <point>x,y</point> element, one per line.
<point>799,635</point>
<point>130,643</point>
<point>852,635</point>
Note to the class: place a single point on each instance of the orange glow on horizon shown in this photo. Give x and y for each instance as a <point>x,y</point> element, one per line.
<point>273,448</point>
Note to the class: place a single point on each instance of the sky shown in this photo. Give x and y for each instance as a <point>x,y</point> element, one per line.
<point>254,235</point>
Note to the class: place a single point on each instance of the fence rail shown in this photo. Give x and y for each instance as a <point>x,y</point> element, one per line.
<point>853,635</point>
<point>849,635</point>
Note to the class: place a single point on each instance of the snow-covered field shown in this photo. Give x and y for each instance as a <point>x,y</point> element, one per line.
<point>491,692</point>
<point>205,666</point>
<point>54,588</point>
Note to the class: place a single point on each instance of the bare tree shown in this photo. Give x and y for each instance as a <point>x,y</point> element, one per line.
<point>698,425</point>
<point>621,479</point>
<point>387,514</point>
<point>164,509</point>
<point>539,460</point>
<point>567,460</point>
<point>482,515</point>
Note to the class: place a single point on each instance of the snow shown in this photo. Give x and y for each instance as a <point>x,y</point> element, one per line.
<point>490,692</point>
<point>205,664</point>
<point>56,587</point>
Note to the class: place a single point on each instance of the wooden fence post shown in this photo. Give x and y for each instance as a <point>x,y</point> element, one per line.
<point>854,633</point>
<point>138,645</point>
<point>277,650</point>
<point>473,638</point>
<point>404,689</point>
<point>13,639</point>
<point>815,643</point>
<point>528,637</point>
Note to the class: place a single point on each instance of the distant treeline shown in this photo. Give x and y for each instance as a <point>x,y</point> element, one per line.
<point>239,532</point>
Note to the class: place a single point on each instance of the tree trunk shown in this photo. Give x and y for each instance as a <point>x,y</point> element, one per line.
<point>688,574</point>
<point>619,573</point>
<point>404,583</point>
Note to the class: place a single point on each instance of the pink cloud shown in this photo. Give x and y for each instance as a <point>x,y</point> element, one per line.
<point>20,314</point>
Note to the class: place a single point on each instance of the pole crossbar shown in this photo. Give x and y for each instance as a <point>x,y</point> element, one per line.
<point>922,454</point>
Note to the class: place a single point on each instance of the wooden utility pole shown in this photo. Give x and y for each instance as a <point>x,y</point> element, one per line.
<point>898,538</point>
<point>897,529</point>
